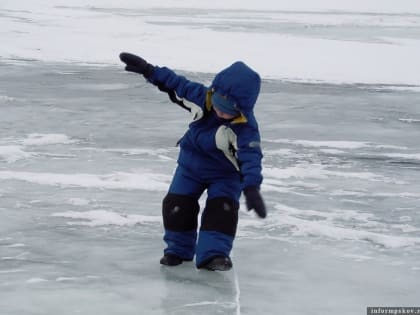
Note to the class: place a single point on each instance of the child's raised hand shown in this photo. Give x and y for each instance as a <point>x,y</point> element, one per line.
<point>137,64</point>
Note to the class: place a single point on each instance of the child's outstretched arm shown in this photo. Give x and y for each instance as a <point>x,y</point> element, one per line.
<point>166,79</point>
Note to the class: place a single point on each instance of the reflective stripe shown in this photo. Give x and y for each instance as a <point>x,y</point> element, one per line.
<point>196,111</point>
<point>208,100</point>
<point>226,141</point>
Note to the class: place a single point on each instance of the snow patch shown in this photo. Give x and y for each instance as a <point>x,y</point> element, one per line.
<point>281,152</point>
<point>159,153</point>
<point>6,98</point>
<point>13,153</point>
<point>146,26</point>
<point>100,86</point>
<point>318,171</point>
<point>104,217</point>
<point>364,194</point>
<point>36,139</point>
<point>330,144</point>
<point>64,279</point>
<point>344,144</point>
<point>15,245</point>
<point>332,151</point>
<point>403,156</point>
<point>78,201</point>
<point>409,120</point>
<point>36,280</point>
<point>321,225</point>
<point>118,180</point>
<point>6,271</point>
<point>405,218</point>
<point>358,258</point>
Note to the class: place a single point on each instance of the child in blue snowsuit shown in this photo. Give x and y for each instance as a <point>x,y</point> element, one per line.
<point>219,153</point>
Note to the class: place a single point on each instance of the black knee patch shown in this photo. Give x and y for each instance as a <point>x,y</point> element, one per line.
<point>220,215</point>
<point>180,212</point>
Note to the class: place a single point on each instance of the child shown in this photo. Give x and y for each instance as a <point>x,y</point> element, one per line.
<point>219,153</point>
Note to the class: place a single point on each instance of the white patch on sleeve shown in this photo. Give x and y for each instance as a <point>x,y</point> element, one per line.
<point>226,141</point>
<point>196,111</point>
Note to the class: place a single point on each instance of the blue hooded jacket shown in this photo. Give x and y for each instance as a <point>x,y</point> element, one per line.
<point>214,148</point>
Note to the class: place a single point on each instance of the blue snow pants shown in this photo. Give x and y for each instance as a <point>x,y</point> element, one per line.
<point>219,218</point>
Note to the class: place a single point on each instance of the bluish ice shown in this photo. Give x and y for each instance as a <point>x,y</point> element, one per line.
<point>87,153</point>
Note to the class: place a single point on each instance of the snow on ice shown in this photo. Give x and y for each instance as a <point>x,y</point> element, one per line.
<point>87,153</point>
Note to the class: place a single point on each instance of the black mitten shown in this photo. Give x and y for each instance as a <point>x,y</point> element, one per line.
<point>137,64</point>
<point>255,201</point>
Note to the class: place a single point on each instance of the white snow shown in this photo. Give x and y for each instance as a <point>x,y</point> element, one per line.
<point>78,201</point>
<point>412,156</point>
<point>325,227</point>
<point>337,144</point>
<point>6,98</point>
<point>332,151</point>
<point>159,153</point>
<point>36,280</point>
<point>15,245</point>
<point>13,153</point>
<point>97,31</point>
<point>6,271</point>
<point>63,279</point>
<point>35,139</point>
<point>103,217</point>
<point>409,120</point>
<point>117,180</point>
<point>317,171</point>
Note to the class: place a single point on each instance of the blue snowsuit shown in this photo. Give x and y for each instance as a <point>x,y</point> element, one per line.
<point>217,155</point>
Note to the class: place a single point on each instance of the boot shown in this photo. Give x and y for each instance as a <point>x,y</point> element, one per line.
<point>217,263</point>
<point>171,260</point>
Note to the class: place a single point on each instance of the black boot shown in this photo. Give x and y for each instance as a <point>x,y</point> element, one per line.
<point>219,263</point>
<point>171,260</point>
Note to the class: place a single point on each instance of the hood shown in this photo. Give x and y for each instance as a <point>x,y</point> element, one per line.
<point>240,84</point>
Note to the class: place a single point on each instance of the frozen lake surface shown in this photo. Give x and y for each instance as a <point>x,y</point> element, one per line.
<point>87,153</point>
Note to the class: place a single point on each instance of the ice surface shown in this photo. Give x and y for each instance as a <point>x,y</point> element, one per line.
<point>87,153</point>
<point>85,171</point>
